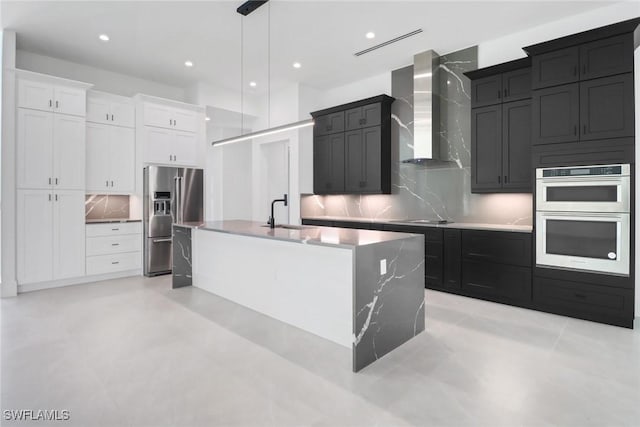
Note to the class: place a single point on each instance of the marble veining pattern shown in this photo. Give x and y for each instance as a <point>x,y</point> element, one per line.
<point>441,190</point>
<point>389,307</point>
<point>105,206</point>
<point>181,257</point>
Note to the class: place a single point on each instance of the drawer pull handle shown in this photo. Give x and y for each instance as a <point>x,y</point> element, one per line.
<point>115,229</point>
<point>581,296</point>
<point>115,244</point>
<point>115,262</point>
<point>478,255</point>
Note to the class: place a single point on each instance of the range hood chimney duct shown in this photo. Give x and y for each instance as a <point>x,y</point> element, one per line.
<point>426,108</point>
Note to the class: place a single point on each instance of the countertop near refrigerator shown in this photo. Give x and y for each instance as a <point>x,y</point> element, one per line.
<point>111,220</point>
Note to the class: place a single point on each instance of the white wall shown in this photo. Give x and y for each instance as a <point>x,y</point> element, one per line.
<point>510,47</point>
<point>103,80</point>
<point>8,232</point>
<point>361,89</point>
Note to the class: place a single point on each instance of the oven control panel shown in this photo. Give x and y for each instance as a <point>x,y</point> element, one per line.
<point>578,171</point>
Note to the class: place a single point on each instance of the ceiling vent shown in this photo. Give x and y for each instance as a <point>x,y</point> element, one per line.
<point>388,42</point>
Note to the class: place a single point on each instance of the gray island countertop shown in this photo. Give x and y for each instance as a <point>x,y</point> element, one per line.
<point>308,234</point>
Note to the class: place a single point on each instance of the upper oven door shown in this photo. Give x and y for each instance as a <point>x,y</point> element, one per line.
<point>583,241</point>
<point>601,194</point>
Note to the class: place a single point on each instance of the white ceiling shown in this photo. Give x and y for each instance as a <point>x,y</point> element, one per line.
<point>152,39</point>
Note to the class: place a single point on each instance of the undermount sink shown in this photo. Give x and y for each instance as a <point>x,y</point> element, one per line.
<point>291,226</point>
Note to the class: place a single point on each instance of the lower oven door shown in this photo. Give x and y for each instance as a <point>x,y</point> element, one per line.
<point>597,242</point>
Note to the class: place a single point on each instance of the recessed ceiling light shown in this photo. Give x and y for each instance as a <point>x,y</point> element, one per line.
<point>104,37</point>
<point>370,35</point>
<point>188,64</point>
<point>253,84</point>
<point>207,118</point>
<point>297,65</point>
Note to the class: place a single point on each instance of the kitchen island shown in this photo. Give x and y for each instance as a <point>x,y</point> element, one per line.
<point>361,289</point>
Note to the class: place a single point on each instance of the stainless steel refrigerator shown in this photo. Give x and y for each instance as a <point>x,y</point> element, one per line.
<point>171,195</point>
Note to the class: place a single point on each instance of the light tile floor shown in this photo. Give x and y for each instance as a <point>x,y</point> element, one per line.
<point>133,352</point>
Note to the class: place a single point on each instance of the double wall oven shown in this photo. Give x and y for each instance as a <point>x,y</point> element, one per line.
<point>583,218</point>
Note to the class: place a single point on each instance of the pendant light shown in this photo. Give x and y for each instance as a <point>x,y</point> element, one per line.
<point>245,9</point>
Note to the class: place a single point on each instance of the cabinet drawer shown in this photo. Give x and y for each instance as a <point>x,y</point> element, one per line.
<point>497,246</point>
<point>586,301</point>
<point>104,245</point>
<point>497,282</point>
<point>103,264</point>
<point>114,229</point>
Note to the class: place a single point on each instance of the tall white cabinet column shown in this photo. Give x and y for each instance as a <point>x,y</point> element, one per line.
<point>50,158</point>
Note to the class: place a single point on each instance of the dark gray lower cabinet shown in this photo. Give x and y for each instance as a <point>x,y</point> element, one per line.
<point>452,261</point>
<point>584,300</point>
<point>496,282</point>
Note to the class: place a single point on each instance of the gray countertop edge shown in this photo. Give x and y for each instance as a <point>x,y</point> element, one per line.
<point>456,225</point>
<point>308,241</point>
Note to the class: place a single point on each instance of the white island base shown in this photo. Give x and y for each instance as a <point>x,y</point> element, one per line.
<point>326,281</point>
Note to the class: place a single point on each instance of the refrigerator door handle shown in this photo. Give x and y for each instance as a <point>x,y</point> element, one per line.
<point>161,240</point>
<point>179,211</point>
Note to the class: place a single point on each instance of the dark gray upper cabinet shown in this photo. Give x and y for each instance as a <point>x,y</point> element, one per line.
<point>516,145</point>
<point>328,164</point>
<point>606,108</point>
<point>358,160</point>
<point>329,123</point>
<point>556,114</point>
<point>607,57</point>
<point>516,85</point>
<point>363,160</point>
<point>501,132</point>
<point>555,68</point>
<point>486,148</point>
<point>365,116</point>
<point>486,91</point>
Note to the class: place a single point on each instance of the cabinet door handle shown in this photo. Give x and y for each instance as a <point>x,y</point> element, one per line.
<point>584,69</point>
<point>584,129</point>
<point>112,117</point>
<point>505,179</point>
<point>56,197</point>
<point>49,197</point>
<point>575,130</point>
<point>506,92</point>
<point>56,181</point>
<point>499,93</point>
<point>106,183</point>
<point>50,103</point>
<point>170,122</point>
<point>112,183</point>
<point>363,184</point>
<point>49,181</point>
<point>175,122</point>
<point>499,179</point>
<point>107,116</point>
<point>56,104</point>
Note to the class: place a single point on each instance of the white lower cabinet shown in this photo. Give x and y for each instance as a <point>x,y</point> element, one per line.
<point>113,247</point>
<point>51,235</point>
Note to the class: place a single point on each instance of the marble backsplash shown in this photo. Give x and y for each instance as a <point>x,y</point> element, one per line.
<point>105,206</point>
<point>432,191</point>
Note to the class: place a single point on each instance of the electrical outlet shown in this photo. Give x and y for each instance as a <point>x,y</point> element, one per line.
<point>383,267</point>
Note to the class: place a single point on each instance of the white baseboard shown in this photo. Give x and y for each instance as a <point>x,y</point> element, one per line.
<point>30,287</point>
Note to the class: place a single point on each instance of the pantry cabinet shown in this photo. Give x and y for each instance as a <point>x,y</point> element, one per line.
<point>50,235</point>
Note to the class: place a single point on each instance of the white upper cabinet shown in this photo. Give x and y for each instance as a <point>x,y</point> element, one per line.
<point>170,132</point>
<point>70,100</point>
<point>48,93</point>
<point>164,116</point>
<point>34,135</point>
<point>110,159</point>
<point>110,109</point>
<point>35,95</point>
<point>68,152</point>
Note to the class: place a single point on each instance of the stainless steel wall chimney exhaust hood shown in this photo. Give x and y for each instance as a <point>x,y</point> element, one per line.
<point>426,109</point>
